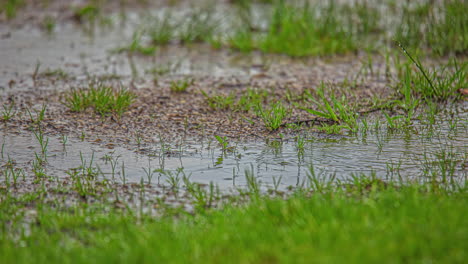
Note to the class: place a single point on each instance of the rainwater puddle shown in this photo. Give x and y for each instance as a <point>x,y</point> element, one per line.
<point>440,151</point>
<point>79,54</point>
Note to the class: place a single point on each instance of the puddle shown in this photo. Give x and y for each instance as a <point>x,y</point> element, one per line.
<point>387,155</point>
<point>75,52</point>
<point>70,49</point>
<point>80,57</point>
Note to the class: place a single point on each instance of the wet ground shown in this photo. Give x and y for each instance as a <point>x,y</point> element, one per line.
<point>390,155</point>
<point>165,135</point>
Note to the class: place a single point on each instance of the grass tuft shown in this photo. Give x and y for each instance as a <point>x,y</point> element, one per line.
<point>219,101</point>
<point>438,84</point>
<point>102,99</point>
<point>438,27</point>
<point>336,110</point>
<point>180,86</point>
<point>273,116</point>
<point>312,34</point>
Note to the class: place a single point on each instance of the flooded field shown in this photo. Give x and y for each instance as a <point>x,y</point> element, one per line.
<point>37,66</point>
<point>164,117</point>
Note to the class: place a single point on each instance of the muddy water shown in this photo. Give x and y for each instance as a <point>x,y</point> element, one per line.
<point>388,155</point>
<point>81,54</point>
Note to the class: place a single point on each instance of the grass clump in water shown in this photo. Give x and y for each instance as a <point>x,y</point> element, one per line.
<point>161,30</point>
<point>301,30</point>
<point>439,27</point>
<point>101,98</point>
<point>198,25</point>
<point>10,7</point>
<point>435,85</point>
<point>8,112</point>
<point>136,46</point>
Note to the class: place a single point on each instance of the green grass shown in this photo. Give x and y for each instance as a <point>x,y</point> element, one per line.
<point>223,142</point>
<point>272,116</point>
<point>438,84</point>
<point>251,99</point>
<point>312,35</point>
<point>88,12</point>
<point>325,28</point>
<point>102,99</point>
<point>8,112</point>
<point>333,109</point>
<point>386,225</point>
<point>220,101</point>
<point>161,30</point>
<point>440,28</point>
<point>10,7</point>
<point>180,86</point>
<point>49,24</point>
<point>136,46</point>
<point>198,25</point>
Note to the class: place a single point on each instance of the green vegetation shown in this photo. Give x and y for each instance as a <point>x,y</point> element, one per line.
<point>180,86</point>
<point>198,25</point>
<point>273,116</point>
<point>49,24</point>
<point>36,117</point>
<point>102,99</point>
<point>8,112</point>
<point>161,30</point>
<point>435,26</point>
<point>223,142</point>
<point>312,35</point>
<point>251,99</point>
<point>136,46</point>
<point>436,85</point>
<point>336,110</point>
<point>93,215</point>
<point>88,12</point>
<point>325,28</point>
<point>10,7</point>
<point>374,221</point>
<point>219,101</point>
